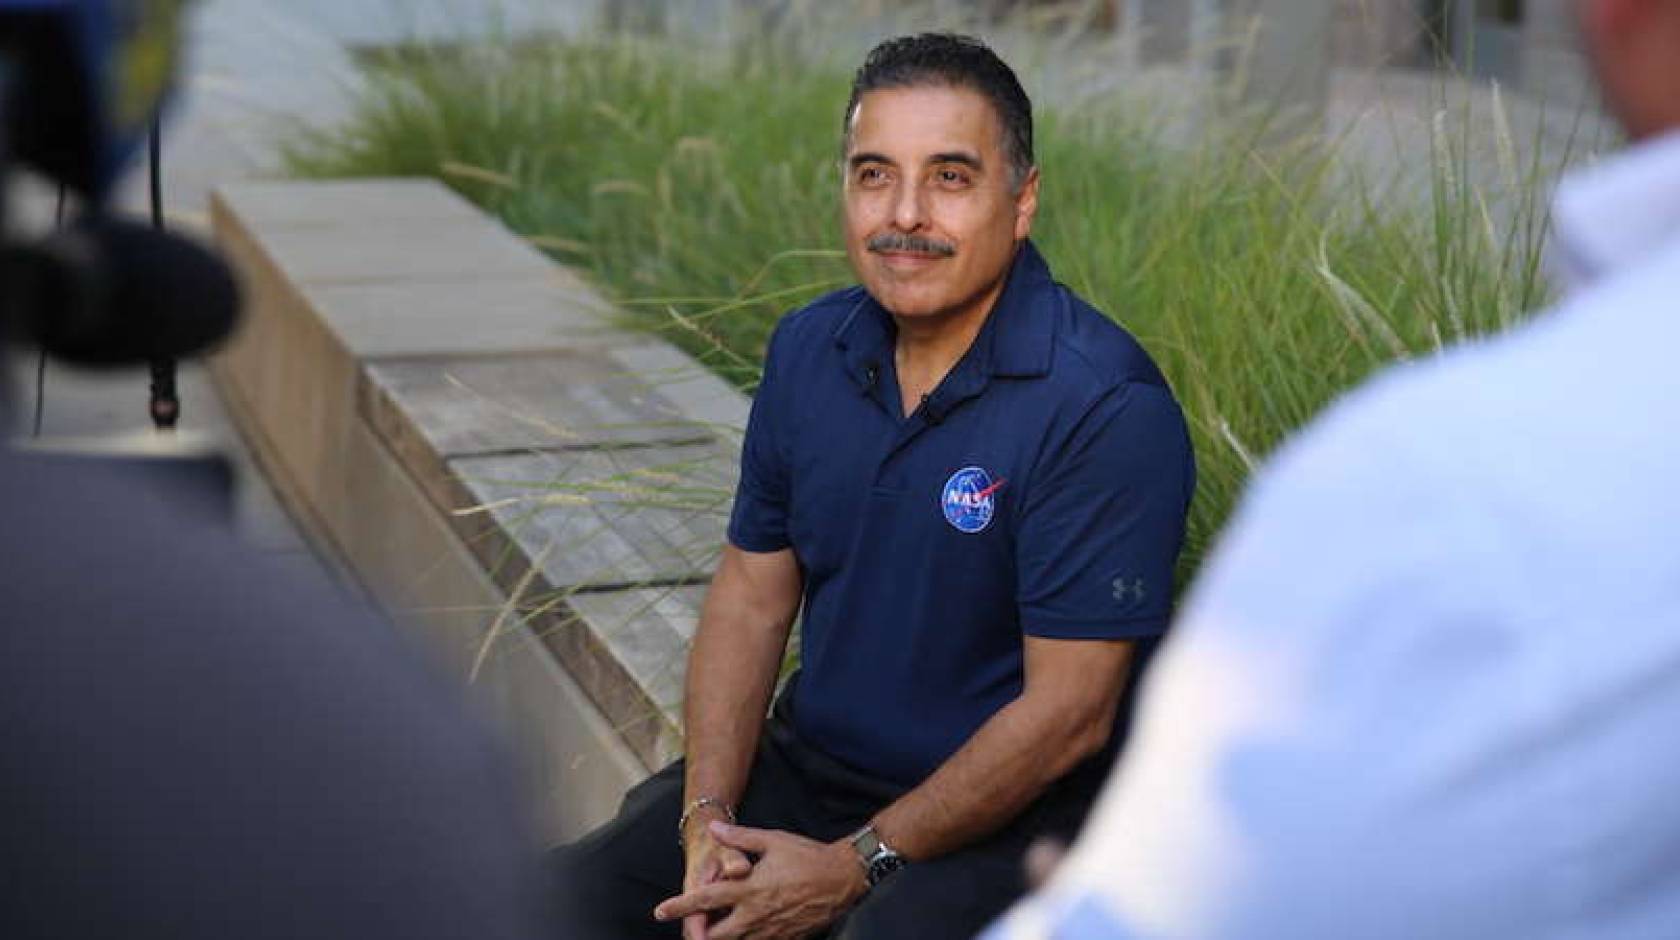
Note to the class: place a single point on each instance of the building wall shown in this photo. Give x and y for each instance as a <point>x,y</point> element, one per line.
<point>1164,29</point>
<point>1554,67</point>
<point>1380,33</point>
<point>1364,32</point>
<point>1549,64</point>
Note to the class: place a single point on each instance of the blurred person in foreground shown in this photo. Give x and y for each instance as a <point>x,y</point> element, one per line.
<point>975,485</point>
<point>195,745</point>
<point>1430,684</point>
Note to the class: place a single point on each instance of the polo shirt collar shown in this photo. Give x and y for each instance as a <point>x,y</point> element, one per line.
<point>1618,212</point>
<point>1015,341</point>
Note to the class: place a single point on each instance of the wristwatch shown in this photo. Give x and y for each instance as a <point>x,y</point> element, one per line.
<point>875,855</point>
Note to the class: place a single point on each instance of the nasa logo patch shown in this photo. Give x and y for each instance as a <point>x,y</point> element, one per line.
<point>969,499</point>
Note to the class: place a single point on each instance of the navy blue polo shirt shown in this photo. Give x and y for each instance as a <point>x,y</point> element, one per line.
<point>1040,490</point>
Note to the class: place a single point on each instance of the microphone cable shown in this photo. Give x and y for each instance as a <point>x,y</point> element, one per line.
<point>165,402</point>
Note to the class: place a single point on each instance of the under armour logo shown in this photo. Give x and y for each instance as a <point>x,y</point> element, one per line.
<point>1124,589</point>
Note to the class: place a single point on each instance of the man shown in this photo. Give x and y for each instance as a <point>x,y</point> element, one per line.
<point>976,486</point>
<point>1430,684</point>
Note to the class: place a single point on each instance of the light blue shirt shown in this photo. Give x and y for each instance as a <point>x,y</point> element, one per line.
<point>1429,684</point>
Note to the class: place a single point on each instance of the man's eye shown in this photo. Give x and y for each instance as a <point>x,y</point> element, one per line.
<point>952,177</point>
<point>871,174</point>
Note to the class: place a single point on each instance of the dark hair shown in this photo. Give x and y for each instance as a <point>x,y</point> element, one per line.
<point>959,62</point>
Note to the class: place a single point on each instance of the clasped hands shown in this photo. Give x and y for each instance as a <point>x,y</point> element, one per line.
<point>795,887</point>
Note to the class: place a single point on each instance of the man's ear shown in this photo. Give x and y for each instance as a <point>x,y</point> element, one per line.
<point>1026,205</point>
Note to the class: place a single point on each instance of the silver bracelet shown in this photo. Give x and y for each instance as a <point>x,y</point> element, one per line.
<point>694,807</point>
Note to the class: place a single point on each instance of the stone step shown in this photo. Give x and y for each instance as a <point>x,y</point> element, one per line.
<point>539,491</point>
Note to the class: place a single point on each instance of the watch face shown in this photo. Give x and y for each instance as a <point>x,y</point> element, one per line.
<point>882,866</point>
<point>879,860</point>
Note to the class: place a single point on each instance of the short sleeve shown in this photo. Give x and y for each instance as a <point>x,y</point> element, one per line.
<point>758,521</point>
<point>1104,521</point>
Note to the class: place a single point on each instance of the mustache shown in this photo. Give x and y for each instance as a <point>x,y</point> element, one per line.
<point>897,241</point>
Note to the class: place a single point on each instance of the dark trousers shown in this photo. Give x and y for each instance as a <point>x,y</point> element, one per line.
<point>609,881</point>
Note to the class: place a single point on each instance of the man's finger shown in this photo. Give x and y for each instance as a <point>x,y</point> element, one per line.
<point>734,863</point>
<point>717,895</point>
<point>745,838</point>
<point>694,927</point>
<point>733,927</point>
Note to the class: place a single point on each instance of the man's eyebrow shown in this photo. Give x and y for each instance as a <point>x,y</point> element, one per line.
<point>958,157</point>
<point>859,159</point>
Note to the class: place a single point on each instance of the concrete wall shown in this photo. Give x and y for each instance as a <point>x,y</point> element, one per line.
<point>1546,62</point>
<point>1370,33</point>
<point>1555,68</point>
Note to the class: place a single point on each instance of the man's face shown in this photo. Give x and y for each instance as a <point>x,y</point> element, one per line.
<point>931,216</point>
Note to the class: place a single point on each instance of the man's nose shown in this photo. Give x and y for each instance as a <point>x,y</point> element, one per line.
<point>909,207</point>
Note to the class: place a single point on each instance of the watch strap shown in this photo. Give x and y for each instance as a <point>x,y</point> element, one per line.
<point>877,857</point>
